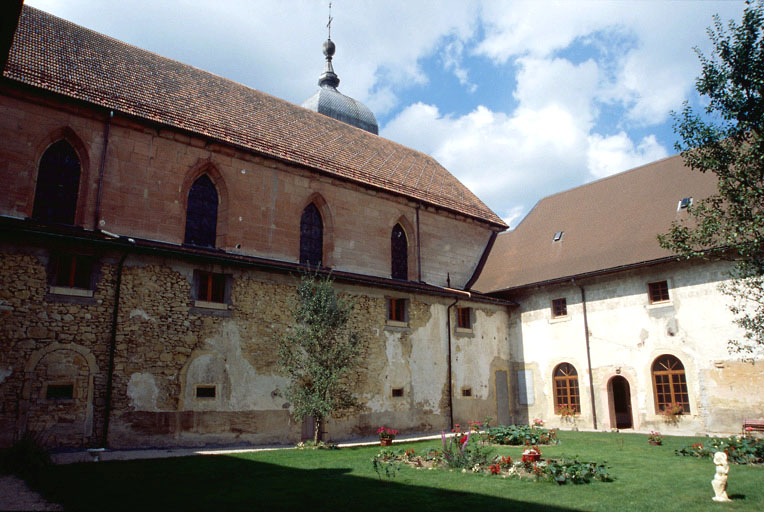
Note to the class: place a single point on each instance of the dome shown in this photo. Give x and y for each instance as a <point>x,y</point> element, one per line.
<point>331,102</point>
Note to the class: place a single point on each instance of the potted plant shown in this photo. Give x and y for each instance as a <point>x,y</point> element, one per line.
<point>655,438</point>
<point>386,435</point>
<point>531,454</point>
<point>568,414</point>
<point>673,412</point>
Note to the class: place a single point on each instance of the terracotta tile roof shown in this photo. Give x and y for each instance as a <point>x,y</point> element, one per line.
<point>606,224</point>
<point>59,56</point>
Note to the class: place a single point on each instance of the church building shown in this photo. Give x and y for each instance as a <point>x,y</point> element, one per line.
<point>155,220</point>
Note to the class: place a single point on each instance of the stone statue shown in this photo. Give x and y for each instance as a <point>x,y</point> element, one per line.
<point>719,483</point>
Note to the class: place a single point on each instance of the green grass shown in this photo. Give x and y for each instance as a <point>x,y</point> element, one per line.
<point>647,478</point>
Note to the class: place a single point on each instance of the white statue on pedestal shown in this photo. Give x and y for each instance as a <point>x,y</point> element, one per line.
<point>719,483</point>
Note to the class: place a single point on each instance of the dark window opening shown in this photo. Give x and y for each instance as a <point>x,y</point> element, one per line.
<point>397,392</point>
<point>463,318</point>
<point>396,310</point>
<point>211,287</point>
<point>202,213</point>
<point>205,391</point>
<point>670,384</point>
<point>73,271</point>
<point>658,292</point>
<point>58,183</point>
<point>566,389</point>
<point>311,236</point>
<point>466,392</point>
<point>559,308</point>
<point>59,392</point>
<point>399,253</point>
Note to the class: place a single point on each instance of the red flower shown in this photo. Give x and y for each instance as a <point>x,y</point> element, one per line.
<point>495,469</point>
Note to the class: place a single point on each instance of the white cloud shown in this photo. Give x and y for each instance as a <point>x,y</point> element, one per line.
<point>616,153</point>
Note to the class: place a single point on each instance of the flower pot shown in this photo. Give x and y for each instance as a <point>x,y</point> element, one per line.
<point>385,441</point>
<point>654,443</point>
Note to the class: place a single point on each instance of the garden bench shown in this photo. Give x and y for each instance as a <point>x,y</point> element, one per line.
<point>753,425</point>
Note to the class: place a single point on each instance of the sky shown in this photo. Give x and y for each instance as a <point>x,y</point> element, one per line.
<point>517,99</point>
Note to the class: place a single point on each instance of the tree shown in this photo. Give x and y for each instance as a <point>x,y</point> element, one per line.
<point>728,141</point>
<point>319,352</point>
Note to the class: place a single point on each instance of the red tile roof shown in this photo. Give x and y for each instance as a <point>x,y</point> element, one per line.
<point>608,224</point>
<point>59,56</point>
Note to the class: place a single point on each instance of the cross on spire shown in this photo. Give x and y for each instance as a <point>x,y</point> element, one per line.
<point>329,25</point>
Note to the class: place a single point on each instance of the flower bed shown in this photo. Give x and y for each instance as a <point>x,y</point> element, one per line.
<point>519,435</point>
<point>739,449</point>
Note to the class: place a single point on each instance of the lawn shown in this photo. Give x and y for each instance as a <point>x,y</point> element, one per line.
<point>646,478</point>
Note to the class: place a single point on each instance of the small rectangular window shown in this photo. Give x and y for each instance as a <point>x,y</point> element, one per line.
<point>397,392</point>
<point>559,308</point>
<point>396,309</point>
<point>59,392</point>
<point>205,391</point>
<point>73,271</point>
<point>466,392</point>
<point>211,287</point>
<point>464,318</point>
<point>658,292</point>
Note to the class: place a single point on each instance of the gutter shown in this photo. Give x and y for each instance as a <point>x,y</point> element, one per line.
<point>450,369</point>
<point>102,170</point>
<point>588,353</point>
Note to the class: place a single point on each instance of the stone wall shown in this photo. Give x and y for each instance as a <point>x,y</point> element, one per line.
<point>167,345</point>
<point>626,335</point>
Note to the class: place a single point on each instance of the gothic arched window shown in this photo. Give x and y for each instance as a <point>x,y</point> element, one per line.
<point>670,384</point>
<point>566,388</point>
<point>202,213</point>
<point>311,236</point>
<point>58,183</point>
<point>399,253</point>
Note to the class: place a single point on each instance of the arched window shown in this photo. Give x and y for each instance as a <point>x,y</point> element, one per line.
<point>58,183</point>
<point>670,384</point>
<point>311,236</point>
<point>399,253</point>
<point>566,388</point>
<point>202,213</point>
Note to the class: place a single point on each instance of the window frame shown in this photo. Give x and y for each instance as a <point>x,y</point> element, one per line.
<point>223,286</point>
<point>397,311</point>
<point>659,289</point>
<point>199,210</point>
<point>311,240</point>
<point>566,387</point>
<point>399,253</point>
<point>55,177</point>
<point>64,267</point>
<point>462,314</point>
<point>671,377</point>
<point>556,314</point>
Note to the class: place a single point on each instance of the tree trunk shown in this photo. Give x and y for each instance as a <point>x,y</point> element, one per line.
<point>317,429</point>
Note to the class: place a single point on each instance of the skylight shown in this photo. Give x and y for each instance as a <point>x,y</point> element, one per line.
<point>558,236</point>
<point>684,203</point>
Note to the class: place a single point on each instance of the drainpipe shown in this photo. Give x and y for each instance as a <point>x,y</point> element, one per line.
<point>450,377</point>
<point>418,246</point>
<point>588,353</point>
<point>112,344</point>
<point>102,170</point>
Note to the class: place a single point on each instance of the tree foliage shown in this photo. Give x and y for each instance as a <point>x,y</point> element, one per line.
<point>319,352</point>
<point>729,141</point>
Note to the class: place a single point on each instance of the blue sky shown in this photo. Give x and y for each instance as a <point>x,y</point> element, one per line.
<point>519,100</point>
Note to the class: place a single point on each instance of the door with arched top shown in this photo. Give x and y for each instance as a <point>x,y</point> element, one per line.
<point>619,395</point>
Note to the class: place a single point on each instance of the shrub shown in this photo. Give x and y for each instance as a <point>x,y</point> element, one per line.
<point>578,472</point>
<point>26,458</point>
<point>521,435</point>
<point>459,452</point>
<point>739,449</point>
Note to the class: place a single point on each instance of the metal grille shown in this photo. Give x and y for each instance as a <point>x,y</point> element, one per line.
<point>566,387</point>
<point>670,384</point>
<point>399,254</point>
<point>202,213</point>
<point>58,183</point>
<point>311,236</point>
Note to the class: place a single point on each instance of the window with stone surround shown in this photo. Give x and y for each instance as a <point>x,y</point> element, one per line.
<point>212,290</point>
<point>202,213</point>
<point>670,384</point>
<point>658,292</point>
<point>71,274</point>
<point>559,308</point>
<point>397,310</point>
<point>399,253</point>
<point>58,183</point>
<point>311,236</point>
<point>59,391</point>
<point>566,388</point>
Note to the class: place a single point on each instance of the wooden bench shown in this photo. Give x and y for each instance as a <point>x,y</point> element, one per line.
<point>753,426</point>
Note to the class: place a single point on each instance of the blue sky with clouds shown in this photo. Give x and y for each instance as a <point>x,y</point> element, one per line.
<point>518,99</point>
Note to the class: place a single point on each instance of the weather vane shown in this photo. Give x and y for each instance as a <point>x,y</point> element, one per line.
<point>329,25</point>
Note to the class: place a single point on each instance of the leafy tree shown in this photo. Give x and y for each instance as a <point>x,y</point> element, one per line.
<point>319,352</point>
<point>728,141</point>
